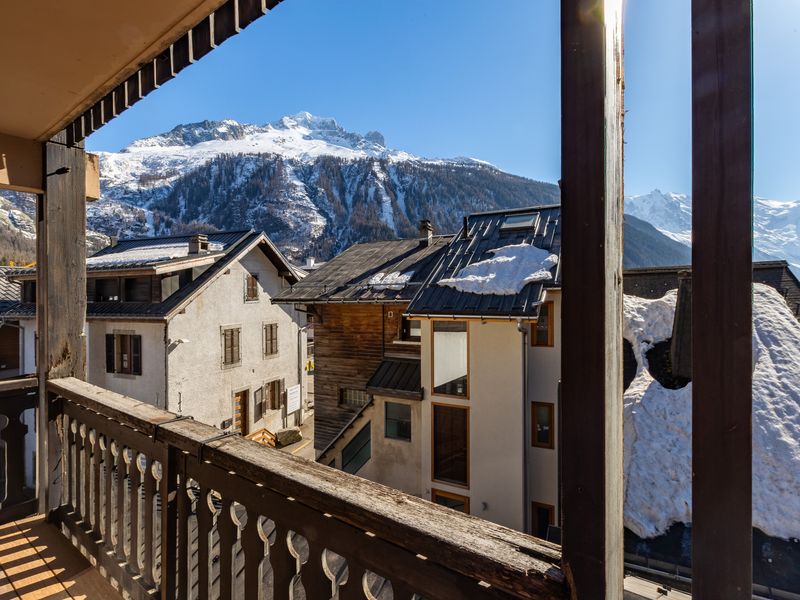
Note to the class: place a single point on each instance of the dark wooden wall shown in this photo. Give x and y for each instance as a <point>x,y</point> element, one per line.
<point>9,347</point>
<point>350,341</point>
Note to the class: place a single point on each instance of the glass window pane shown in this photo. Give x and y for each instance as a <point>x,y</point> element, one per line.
<point>450,358</point>
<point>398,421</point>
<point>358,451</point>
<point>450,462</point>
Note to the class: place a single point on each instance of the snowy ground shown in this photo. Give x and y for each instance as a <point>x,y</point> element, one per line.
<point>658,422</point>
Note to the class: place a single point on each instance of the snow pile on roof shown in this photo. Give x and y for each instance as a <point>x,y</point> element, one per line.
<point>658,422</point>
<point>390,281</point>
<point>510,270</point>
<point>145,255</point>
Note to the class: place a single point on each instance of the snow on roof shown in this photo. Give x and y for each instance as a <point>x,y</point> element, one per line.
<point>146,254</point>
<point>511,269</point>
<point>658,475</point>
<point>390,281</point>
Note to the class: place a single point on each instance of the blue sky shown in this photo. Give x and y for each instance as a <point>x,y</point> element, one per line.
<point>463,78</point>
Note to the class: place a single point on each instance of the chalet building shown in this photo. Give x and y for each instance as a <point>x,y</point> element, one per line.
<point>439,410</point>
<point>185,323</point>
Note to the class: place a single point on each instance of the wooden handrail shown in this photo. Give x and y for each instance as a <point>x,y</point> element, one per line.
<point>419,546</point>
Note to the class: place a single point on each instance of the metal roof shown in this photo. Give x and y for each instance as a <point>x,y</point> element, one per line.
<point>397,377</point>
<point>351,276</point>
<point>9,290</point>
<point>486,234</point>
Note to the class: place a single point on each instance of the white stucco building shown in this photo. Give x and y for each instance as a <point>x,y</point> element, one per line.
<point>187,323</point>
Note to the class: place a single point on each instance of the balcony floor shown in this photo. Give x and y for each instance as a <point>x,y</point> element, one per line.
<point>37,562</point>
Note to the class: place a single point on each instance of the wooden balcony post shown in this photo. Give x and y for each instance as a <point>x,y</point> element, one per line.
<point>60,294</point>
<point>722,190</point>
<point>591,195</point>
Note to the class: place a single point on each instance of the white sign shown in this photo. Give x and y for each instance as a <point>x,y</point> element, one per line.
<point>292,399</point>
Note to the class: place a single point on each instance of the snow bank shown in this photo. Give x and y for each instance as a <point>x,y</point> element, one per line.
<point>390,281</point>
<point>510,270</point>
<point>658,422</point>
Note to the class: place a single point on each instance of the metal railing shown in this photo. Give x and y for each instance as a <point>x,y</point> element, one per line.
<point>172,508</point>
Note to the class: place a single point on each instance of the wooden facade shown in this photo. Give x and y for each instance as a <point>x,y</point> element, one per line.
<point>350,341</point>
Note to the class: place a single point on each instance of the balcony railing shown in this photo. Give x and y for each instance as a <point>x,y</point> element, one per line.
<point>168,507</point>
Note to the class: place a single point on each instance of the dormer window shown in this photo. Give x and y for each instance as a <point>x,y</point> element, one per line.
<point>519,221</point>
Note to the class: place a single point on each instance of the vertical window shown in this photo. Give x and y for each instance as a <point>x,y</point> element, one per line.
<point>451,444</point>
<point>543,329</point>
<point>258,404</point>
<point>542,426</point>
<point>352,397</point>
<point>270,339</point>
<point>450,358</point>
<point>230,346</point>
<point>356,454</point>
<point>124,354</point>
<point>410,330</point>
<point>454,501</point>
<point>398,421</point>
<point>544,515</point>
<point>250,288</point>
<point>275,392</point>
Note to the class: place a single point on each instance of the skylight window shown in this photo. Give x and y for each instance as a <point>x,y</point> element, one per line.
<point>519,221</point>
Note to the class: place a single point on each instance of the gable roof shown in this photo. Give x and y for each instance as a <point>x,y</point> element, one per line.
<point>487,234</point>
<point>358,274</point>
<point>237,244</point>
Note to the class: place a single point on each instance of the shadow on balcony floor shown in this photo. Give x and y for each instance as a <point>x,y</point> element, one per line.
<point>36,561</point>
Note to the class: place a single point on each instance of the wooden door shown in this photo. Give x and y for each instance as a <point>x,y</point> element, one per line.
<point>240,420</point>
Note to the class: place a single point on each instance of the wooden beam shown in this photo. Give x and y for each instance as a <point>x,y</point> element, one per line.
<point>591,195</point>
<point>20,164</point>
<point>61,281</point>
<point>722,190</point>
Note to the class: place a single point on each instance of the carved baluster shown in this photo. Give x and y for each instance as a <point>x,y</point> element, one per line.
<point>121,474</point>
<point>401,591</point>
<point>87,476</point>
<point>205,521</point>
<point>69,458</point>
<point>253,547</point>
<point>283,563</point>
<point>312,574</point>
<point>96,484</point>
<point>354,588</point>
<point>169,524</point>
<point>227,537</point>
<point>108,465</point>
<point>149,485</point>
<point>184,549</point>
<point>77,447</point>
<point>135,499</point>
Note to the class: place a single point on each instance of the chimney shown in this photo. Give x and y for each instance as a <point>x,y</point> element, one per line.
<point>465,231</point>
<point>198,243</point>
<point>310,260</point>
<point>113,241</point>
<point>425,232</point>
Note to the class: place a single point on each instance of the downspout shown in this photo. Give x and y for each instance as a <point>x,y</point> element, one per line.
<point>300,331</point>
<point>166,365</point>
<point>526,430</point>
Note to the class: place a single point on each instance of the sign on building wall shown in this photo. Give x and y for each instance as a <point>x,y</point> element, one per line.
<point>292,399</point>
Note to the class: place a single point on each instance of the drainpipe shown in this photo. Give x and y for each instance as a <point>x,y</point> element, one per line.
<point>166,366</point>
<point>300,331</point>
<point>526,429</point>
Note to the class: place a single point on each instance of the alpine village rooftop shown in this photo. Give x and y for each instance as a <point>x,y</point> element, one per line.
<point>133,501</point>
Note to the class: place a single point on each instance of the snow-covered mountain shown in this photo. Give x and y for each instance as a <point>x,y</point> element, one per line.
<point>776,223</point>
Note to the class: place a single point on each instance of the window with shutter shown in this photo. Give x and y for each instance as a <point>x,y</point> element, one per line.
<point>270,339</point>
<point>251,288</point>
<point>230,346</point>
<point>258,404</point>
<point>110,356</point>
<point>275,392</point>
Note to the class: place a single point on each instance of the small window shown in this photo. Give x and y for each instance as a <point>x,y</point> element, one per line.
<point>398,421</point>
<point>451,444</point>
<point>251,288</point>
<point>270,339</point>
<point>258,404</point>
<point>542,425</point>
<point>410,330</point>
<point>231,354</point>
<point>543,328</point>
<point>454,501</point>
<point>124,354</point>
<point>519,221</point>
<point>356,454</point>
<point>107,290</point>
<point>275,393</point>
<point>450,358</point>
<point>544,515</point>
<point>354,398</point>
